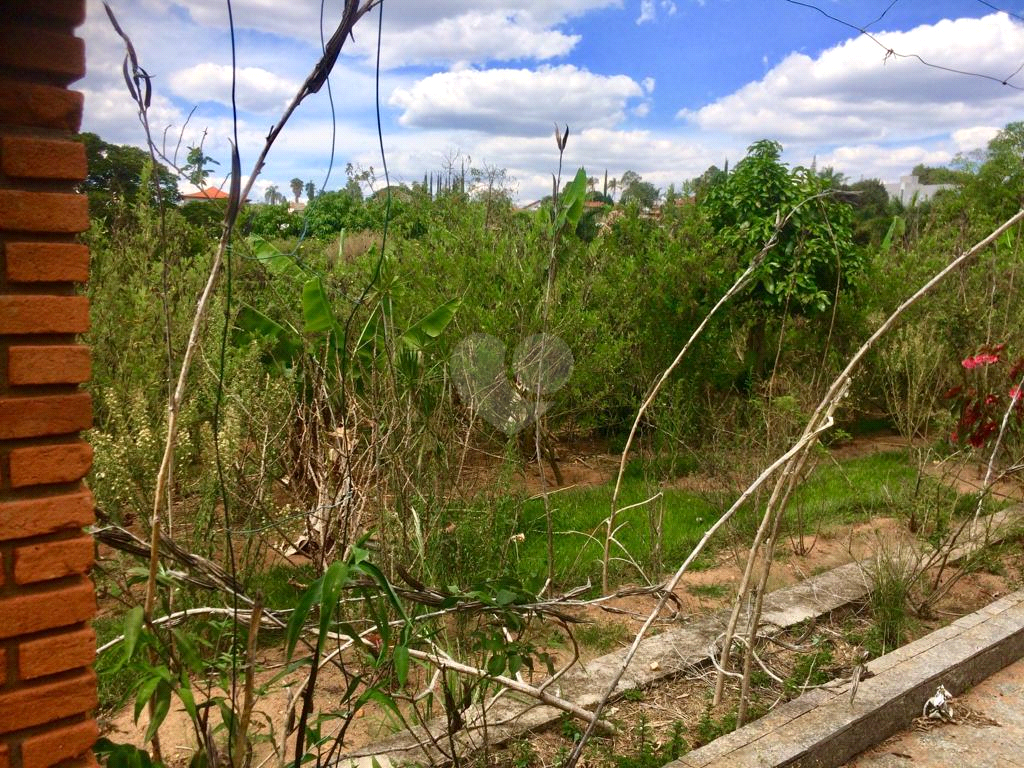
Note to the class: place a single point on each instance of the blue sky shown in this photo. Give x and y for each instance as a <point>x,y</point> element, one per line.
<point>662,87</point>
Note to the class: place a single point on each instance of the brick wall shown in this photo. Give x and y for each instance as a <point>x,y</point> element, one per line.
<point>47,689</point>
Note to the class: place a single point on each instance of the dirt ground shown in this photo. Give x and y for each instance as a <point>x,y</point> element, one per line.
<point>686,698</point>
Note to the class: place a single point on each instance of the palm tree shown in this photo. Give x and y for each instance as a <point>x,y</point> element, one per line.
<point>297,186</point>
<point>271,195</point>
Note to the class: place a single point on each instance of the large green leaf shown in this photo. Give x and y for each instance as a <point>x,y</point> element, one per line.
<point>275,261</point>
<point>431,326</point>
<point>299,615</point>
<point>316,309</point>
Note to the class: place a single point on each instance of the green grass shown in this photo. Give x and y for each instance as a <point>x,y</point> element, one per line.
<point>601,637</point>
<point>880,484</point>
<point>708,590</point>
<point>579,515</point>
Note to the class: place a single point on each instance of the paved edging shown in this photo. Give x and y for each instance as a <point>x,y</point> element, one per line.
<point>822,729</point>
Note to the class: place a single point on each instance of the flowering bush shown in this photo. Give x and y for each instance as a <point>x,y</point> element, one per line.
<point>984,400</point>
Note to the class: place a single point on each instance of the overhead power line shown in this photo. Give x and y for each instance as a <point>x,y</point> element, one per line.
<point>892,53</point>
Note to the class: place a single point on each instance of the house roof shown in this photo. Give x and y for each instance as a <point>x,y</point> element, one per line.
<point>210,193</point>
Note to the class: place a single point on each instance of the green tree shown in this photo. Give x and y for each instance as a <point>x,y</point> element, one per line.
<point>331,212</point>
<point>196,168</point>
<point>116,173</point>
<point>814,257</point>
<point>998,187</point>
<point>297,187</point>
<point>635,189</point>
<point>927,174</point>
<point>310,190</point>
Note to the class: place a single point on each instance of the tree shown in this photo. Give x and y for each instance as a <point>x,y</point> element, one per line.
<point>814,256</point>
<point>116,173</point>
<point>310,190</point>
<point>273,195</point>
<point>833,179</point>
<point>927,174</point>
<point>635,189</point>
<point>998,187</point>
<point>196,166</point>
<point>297,186</point>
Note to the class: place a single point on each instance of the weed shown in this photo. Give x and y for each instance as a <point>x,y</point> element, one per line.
<point>810,669</point>
<point>892,579</point>
<point>633,694</point>
<point>713,591</point>
<point>601,637</point>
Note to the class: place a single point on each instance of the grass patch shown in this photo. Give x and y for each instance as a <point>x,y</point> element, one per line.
<point>579,515</point>
<point>713,591</point>
<point>601,637</point>
<point>877,485</point>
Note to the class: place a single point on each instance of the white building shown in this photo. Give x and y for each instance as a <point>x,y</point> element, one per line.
<point>908,186</point>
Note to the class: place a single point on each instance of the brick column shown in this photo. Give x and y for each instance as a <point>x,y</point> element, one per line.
<point>47,689</point>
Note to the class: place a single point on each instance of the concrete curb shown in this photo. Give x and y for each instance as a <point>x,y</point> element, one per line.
<point>822,729</point>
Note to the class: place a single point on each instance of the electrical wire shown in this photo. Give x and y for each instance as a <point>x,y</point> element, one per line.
<point>890,52</point>
<point>1001,10</point>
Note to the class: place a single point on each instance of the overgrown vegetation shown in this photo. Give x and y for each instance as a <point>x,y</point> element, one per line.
<point>334,492</point>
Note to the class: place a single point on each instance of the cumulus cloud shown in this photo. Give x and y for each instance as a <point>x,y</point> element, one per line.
<point>873,161</point>
<point>855,93</point>
<point>519,102</point>
<point>417,32</point>
<point>258,90</point>
<point>473,36</point>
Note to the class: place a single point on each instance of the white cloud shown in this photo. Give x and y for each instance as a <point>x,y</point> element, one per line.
<point>418,32</point>
<point>647,12</point>
<point>854,93</point>
<point>669,7</point>
<point>516,101</point>
<point>975,137</point>
<point>871,161</point>
<point>648,84</point>
<point>470,37</point>
<point>642,109</point>
<point>258,90</point>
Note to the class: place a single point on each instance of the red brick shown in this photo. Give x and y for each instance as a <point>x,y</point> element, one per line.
<point>37,517</point>
<point>43,314</point>
<point>48,365</point>
<point>37,611</point>
<point>57,212</point>
<point>37,704</point>
<point>47,262</point>
<point>44,464</point>
<point>42,416</point>
<point>58,653</point>
<point>40,106</point>
<point>53,560</point>
<point>69,12</point>
<point>3,667</point>
<point>63,743</point>
<point>30,158</point>
<point>36,49</point>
